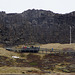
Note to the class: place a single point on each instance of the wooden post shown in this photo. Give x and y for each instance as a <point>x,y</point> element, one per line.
<point>70,35</point>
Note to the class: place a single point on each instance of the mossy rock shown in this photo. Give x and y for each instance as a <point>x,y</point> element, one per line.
<point>66,70</point>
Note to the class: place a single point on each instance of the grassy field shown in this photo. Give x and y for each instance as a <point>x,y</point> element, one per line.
<point>58,46</point>
<point>48,46</point>
<point>22,70</point>
<point>51,45</point>
<point>16,70</point>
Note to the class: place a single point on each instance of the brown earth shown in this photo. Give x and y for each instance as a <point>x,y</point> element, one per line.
<point>49,62</point>
<point>45,63</point>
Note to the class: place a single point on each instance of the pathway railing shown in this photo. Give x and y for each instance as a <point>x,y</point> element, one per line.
<point>48,51</point>
<point>55,51</point>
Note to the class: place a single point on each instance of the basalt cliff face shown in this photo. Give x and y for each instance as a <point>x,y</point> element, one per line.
<point>37,26</point>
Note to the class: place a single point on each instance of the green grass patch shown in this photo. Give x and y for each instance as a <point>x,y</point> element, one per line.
<point>33,63</point>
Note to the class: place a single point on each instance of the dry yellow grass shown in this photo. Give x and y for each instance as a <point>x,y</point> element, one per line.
<point>4,52</point>
<point>16,70</point>
<point>58,46</point>
<point>51,45</point>
<point>21,70</point>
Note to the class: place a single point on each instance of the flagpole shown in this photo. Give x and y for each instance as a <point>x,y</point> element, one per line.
<point>70,35</point>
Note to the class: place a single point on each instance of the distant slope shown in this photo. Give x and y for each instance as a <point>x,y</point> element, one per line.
<point>38,26</point>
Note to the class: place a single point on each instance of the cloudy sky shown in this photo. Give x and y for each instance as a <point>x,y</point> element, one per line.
<point>18,6</point>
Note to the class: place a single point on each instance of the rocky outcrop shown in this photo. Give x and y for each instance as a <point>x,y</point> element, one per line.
<point>38,26</point>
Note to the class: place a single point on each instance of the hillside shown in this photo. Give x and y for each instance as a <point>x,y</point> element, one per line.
<point>37,26</point>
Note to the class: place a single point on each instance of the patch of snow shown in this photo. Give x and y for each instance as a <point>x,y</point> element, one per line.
<point>15,57</point>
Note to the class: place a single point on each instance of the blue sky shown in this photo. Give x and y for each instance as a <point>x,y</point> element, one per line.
<point>18,6</point>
